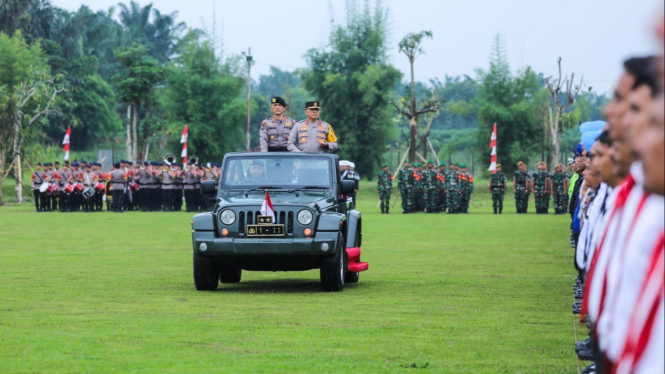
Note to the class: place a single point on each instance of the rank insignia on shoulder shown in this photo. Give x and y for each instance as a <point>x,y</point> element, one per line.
<point>302,140</point>
<point>272,136</point>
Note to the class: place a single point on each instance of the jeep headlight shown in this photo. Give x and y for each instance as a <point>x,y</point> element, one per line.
<point>305,217</point>
<point>227,217</point>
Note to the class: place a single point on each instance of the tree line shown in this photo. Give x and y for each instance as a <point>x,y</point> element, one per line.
<point>131,77</point>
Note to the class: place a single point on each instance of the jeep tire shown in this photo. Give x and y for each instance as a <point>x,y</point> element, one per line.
<point>334,267</point>
<point>230,274</point>
<point>351,277</point>
<point>206,273</point>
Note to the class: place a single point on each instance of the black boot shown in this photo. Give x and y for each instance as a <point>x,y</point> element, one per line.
<point>383,210</point>
<point>494,210</point>
<point>387,210</point>
<point>500,210</point>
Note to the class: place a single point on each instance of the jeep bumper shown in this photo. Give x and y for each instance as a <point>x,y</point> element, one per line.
<point>217,246</point>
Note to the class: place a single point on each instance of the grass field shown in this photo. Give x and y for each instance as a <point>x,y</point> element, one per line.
<point>105,292</point>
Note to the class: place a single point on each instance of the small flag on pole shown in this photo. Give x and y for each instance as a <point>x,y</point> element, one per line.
<point>65,141</point>
<point>266,207</point>
<point>493,146</point>
<point>183,140</point>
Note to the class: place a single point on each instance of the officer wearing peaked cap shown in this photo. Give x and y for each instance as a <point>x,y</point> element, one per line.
<point>312,135</point>
<point>275,131</point>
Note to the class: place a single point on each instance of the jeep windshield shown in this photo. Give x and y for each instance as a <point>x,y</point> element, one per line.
<point>279,172</point>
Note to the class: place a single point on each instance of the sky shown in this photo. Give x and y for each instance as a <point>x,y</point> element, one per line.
<point>592,36</point>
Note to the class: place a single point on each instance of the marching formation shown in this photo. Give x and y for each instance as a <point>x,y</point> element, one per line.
<point>426,188</point>
<point>617,225</point>
<point>141,186</point>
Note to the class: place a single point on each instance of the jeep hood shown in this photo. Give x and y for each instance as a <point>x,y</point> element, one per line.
<point>277,198</point>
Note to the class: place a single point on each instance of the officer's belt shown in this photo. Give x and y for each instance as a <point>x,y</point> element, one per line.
<point>277,149</point>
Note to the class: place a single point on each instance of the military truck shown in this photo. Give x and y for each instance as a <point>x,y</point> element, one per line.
<point>310,225</point>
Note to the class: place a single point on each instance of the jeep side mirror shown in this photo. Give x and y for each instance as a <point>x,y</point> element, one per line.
<point>208,187</point>
<point>348,187</point>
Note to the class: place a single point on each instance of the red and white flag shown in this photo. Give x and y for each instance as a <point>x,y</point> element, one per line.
<point>493,146</point>
<point>183,140</point>
<point>65,141</point>
<point>266,207</point>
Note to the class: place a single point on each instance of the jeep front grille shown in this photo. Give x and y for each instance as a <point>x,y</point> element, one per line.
<point>251,218</point>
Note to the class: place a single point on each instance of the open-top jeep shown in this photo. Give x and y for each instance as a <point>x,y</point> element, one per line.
<point>311,228</point>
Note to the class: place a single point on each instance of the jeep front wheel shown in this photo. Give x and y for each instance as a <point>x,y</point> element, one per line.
<point>333,268</point>
<point>230,274</point>
<point>206,273</point>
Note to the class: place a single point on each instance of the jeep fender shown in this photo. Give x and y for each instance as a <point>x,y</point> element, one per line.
<point>203,222</point>
<point>353,226</point>
<point>331,221</point>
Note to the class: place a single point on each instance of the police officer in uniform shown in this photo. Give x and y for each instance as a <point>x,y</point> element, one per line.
<point>190,178</point>
<point>275,131</point>
<point>57,180</point>
<point>209,175</point>
<point>312,135</point>
<point>89,181</point>
<point>65,177</point>
<point>346,168</point>
<point>168,179</point>
<point>118,181</point>
<point>36,180</point>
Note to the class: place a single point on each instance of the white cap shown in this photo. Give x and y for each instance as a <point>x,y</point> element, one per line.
<point>352,165</point>
<point>344,163</point>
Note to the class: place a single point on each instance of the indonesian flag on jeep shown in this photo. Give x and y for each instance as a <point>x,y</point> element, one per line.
<point>266,207</point>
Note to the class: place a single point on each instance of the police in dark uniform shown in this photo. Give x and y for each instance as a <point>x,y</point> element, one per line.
<point>275,131</point>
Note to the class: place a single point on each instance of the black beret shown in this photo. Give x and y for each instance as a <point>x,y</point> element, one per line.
<point>312,105</point>
<point>57,162</point>
<point>277,100</point>
<point>116,165</point>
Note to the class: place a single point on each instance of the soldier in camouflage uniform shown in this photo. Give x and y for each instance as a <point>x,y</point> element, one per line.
<point>540,185</point>
<point>560,183</point>
<point>441,188</point>
<point>521,188</point>
<point>498,189</point>
<point>463,187</point>
<point>453,184</point>
<point>384,186</point>
<point>467,189</point>
<point>429,187</point>
<point>418,200</point>
<point>405,184</point>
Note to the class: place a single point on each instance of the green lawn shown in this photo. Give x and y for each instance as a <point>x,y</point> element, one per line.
<point>105,292</point>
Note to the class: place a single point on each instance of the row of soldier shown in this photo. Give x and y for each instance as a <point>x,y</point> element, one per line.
<point>427,188</point>
<point>145,186</point>
<point>543,184</point>
<point>618,214</point>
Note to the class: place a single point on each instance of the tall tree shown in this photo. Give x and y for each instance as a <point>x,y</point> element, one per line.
<point>351,78</point>
<point>408,105</point>
<point>136,85</point>
<point>554,116</point>
<point>27,95</point>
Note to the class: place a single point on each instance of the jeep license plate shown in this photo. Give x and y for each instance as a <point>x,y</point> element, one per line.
<point>265,230</point>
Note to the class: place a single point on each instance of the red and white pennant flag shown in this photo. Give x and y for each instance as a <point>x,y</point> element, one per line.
<point>183,140</point>
<point>266,207</point>
<point>65,141</point>
<point>493,146</point>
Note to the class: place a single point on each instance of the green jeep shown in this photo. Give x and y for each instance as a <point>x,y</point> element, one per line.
<point>310,225</point>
